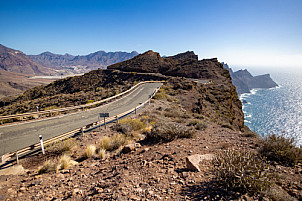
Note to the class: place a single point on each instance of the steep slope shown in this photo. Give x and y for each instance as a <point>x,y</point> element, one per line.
<point>244,81</point>
<point>92,61</point>
<point>16,61</point>
<point>218,100</point>
<point>183,65</point>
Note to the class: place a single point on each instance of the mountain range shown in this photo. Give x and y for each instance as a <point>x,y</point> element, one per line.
<point>81,64</point>
<point>244,81</point>
<point>17,68</point>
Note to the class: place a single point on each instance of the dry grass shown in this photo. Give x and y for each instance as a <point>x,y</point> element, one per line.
<point>242,171</point>
<point>128,125</point>
<point>90,151</point>
<point>281,150</point>
<point>62,146</point>
<point>168,131</point>
<point>48,166</point>
<point>113,143</point>
<point>101,153</point>
<point>105,143</point>
<point>65,162</point>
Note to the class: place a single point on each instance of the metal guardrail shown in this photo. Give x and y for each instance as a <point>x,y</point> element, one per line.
<point>90,105</point>
<point>13,156</point>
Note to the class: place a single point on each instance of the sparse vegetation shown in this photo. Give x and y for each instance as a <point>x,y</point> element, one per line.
<point>65,162</point>
<point>281,150</point>
<point>101,153</point>
<point>127,125</point>
<point>242,171</point>
<point>90,151</point>
<point>112,143</point>
<point>168,131</point>
<point>62,146</point>
<point>48,166</point>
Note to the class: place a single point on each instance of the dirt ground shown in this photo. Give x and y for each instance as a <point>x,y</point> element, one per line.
<point>150,172</point>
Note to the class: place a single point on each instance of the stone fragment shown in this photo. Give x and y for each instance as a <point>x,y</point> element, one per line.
<point>194,160</point>
<point>128,148</point>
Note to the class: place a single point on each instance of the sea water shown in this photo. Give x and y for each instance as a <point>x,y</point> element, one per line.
<point>277,110</point>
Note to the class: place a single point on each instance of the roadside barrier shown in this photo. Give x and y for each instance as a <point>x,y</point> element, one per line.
<point>9,158</point>
<point>79,107</point>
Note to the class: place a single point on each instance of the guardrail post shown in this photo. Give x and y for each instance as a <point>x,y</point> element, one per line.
<point>17,158</point>
<point>42,146</point>
<point>116,119</point>
<point>105,122</point>
<point>135,110</point>
<point>82,131</point>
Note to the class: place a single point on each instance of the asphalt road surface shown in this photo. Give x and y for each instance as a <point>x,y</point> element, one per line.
<point>18,136</point>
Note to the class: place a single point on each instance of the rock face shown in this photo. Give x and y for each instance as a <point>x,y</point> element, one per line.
<point>92,61</point>
<point>218,100</point>
<point>182,65</point>
<point>244,81</point>
<point>16,61</point>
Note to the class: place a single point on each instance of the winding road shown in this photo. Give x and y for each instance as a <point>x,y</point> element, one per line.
<point>18,136</point>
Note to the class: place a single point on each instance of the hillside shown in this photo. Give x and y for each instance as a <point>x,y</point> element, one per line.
<point>218,100</point>
<point>167,151</point>
<point>13,84</point>
<point>81,63</point>
<point>16,61</point>
<point>183,65</point>
<point>244,81</point>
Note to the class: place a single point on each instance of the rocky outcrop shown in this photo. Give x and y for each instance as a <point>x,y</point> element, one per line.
<point>182,65</point>
<point>92,61</point>
<point>218,100</point>
<point>244,81</point>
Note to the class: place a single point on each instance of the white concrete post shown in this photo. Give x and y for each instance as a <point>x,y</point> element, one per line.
<point>42,146</point>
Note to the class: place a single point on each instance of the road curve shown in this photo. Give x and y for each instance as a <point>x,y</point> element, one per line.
<point>18,136</point>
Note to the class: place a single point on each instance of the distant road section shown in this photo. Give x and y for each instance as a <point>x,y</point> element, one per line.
<point>18,136</point>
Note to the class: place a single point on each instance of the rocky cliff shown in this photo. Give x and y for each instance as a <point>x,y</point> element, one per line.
<point>244,81</point>
<point>217,100</point>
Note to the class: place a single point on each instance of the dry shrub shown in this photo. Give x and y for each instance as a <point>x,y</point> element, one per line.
<point>62,146</point>
<point>116,141</point>
<point>281,150</point>
<point>48,166</point>
<point>104,143</point>
<point>161,94</point>
<point>168,131</point>
<point>127,125</point>
<point>65,162</point>
<point>112,143</point>
<point>90,151</point>
<point>242,171</point>
<point>201,126</point>
<point>101,153</point>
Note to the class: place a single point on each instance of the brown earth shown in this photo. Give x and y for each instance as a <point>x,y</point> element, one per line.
<point>13,84</point>
<point>151,172</point>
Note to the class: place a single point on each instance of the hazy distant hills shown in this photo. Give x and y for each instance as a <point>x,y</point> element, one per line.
<point>16,61</point>
<point>81,64</point>
<point>244,81</point>
<point>16,68</point>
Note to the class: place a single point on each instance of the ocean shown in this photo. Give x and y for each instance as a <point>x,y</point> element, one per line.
<point>277,110</point>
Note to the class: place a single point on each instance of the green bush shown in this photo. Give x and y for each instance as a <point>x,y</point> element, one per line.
<point>281,150</point>
<point>242,171</point>
<point>168,131</point>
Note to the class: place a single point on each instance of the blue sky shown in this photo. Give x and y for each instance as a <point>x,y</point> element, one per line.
<point>243,33</point>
